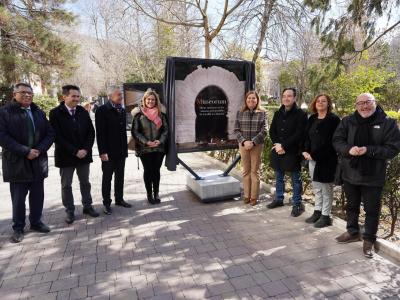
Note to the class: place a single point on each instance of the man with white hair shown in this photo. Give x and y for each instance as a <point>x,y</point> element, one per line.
<point>113,147</point>
<point>365,140</point>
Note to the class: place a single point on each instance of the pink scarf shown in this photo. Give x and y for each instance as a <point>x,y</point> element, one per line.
<point>152,115</point>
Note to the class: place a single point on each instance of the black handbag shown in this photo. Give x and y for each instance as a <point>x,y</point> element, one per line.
<point>338,180</point>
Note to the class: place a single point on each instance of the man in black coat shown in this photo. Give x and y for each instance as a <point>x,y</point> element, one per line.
<point>365,140</point>
<point>25,136</point>
<point>74,141</point>
<point>287,133</point>
<point>113,148</point>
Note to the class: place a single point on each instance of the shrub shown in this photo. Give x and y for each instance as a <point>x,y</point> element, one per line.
<point>45,102</point>
<point>391,195</point>
<point>394,114</point>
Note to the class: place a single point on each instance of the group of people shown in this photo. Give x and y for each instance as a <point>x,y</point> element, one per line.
<point>26,135</point>
<point>352,152</point>
<point>355,150</point>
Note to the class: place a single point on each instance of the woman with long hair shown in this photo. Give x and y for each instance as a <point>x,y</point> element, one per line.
<point>250,131</point>
<point>322,158</point>
<point>150,129</point>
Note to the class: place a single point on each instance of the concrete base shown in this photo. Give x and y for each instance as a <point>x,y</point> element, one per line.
<point>213,187</point>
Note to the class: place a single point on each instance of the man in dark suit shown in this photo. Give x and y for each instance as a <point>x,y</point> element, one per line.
<point>287,134</point>
<point>74,141</point>
<point>113,148</point>
<point>25,136</point>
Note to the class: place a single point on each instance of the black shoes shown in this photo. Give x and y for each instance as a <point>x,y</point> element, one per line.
<point>40,227</point>
<point>323,221</point>
<point>17,236</point>
<point>150,198</point>
<point>275,204</point>
<point>297,210</point>
<point>156,198</point>
<point>314,217</point>
<point>107,210</point>
<point>90,212</point>
<point>70,218</point>
<point>122,203</point>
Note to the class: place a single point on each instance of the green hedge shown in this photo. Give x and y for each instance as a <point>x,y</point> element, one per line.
<point>394,114</point>
<point>45,102</point>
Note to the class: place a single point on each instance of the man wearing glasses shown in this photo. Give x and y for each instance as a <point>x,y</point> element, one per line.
<point>365,140</point>
<point>25,136</point>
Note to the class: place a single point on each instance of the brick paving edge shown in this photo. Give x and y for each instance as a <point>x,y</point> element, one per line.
<point>386,247</point>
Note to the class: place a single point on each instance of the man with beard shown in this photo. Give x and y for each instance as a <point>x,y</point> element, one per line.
<point>365,140</point>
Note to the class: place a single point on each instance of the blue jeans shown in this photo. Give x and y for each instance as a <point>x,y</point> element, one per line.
<point>296,183</point>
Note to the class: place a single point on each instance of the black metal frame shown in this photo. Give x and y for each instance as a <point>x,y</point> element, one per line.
<point>171,160</point>
<point>197,177</point>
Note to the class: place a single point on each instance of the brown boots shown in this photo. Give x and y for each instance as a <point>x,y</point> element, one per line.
<point>249,200</point>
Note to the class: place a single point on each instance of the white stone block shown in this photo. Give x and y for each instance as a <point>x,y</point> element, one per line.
<point>213,187</point>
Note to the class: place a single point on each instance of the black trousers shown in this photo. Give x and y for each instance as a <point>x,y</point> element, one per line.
<point>116,167</point>
<point>371,197</point>
<point>36,198</point>
<point>151,175</point>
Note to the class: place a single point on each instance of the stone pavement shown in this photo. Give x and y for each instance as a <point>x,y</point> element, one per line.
<point>183,249</point>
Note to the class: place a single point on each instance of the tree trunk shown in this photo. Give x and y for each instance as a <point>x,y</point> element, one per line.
<point>207,44</point>
<point>268,6</point>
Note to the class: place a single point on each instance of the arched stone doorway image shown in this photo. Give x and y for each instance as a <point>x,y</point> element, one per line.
<point>211,107</point>
<point>202,83</point>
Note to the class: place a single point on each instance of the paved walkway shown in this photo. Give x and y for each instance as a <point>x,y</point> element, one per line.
<point>183,249</point>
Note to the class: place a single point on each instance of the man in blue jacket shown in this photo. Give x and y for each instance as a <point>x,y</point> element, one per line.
<point>25,136</point>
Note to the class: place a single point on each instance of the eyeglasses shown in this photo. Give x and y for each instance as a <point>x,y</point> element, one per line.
<point>363,103</point>
<point>25,93</point>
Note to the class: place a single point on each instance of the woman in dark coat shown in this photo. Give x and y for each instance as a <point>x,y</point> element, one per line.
<point>322,157</point>
<point>150,129</point>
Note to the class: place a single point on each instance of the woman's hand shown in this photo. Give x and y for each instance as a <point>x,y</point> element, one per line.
<point>151,144</point>
<point>307,156</point>
<point>248,145</point>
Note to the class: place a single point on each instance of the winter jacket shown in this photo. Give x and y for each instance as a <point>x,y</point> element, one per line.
<point>288,128</point>
<point>144,130</point>
<point>111,132</point>
<point>14,141</point>
<point>250,126</point>
<point>385,136</point>
<point>321,148</point>
<point>72,134</point>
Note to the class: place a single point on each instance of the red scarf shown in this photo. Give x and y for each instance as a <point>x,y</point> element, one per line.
<point>152,115</point>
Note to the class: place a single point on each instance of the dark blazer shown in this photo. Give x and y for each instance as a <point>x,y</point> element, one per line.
<point>385,145</point>
<point>288,128</point>
<point>144,130</point>
<point>14,141</point>
<point>72,134</point>
<point>111,132</point>
<point>321,147</point>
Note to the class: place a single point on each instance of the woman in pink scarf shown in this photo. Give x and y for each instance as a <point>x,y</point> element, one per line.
<point>150,129</point>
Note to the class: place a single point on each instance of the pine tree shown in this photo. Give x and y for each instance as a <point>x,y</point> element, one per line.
<point>29,41</point>
<point>341,34</point>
